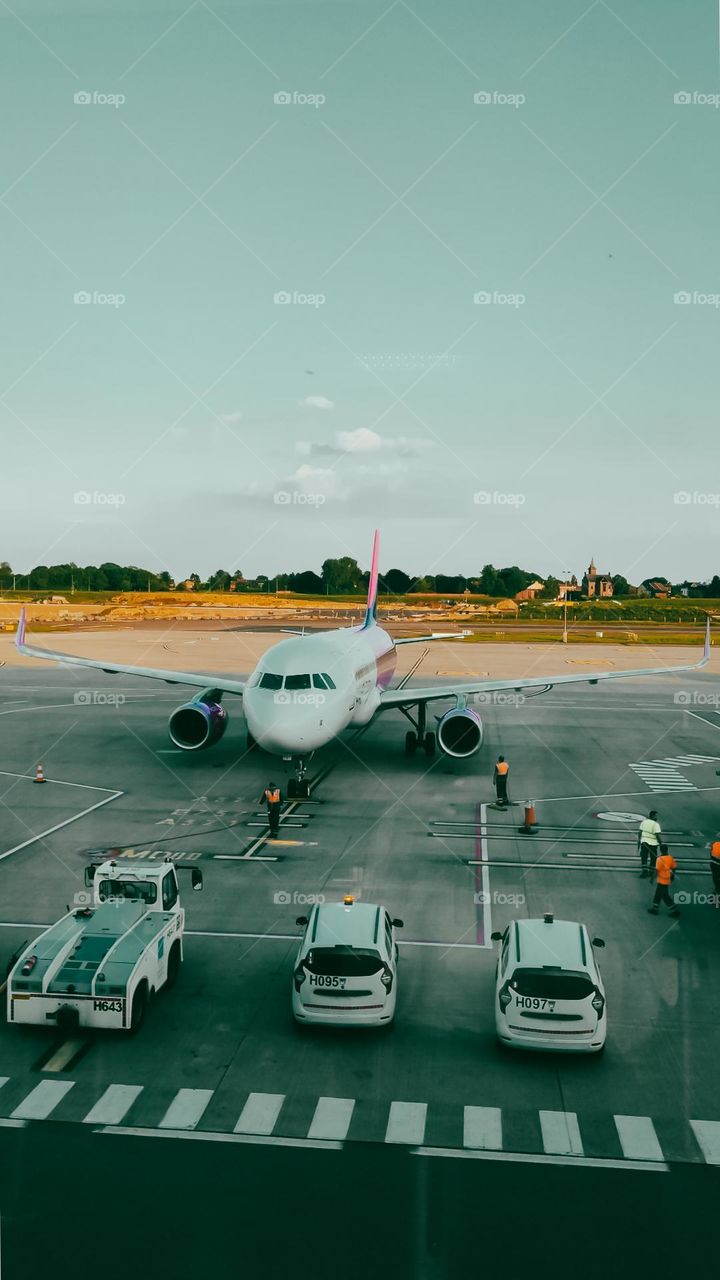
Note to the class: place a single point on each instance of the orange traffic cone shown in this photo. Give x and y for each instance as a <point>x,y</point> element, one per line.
<point>39,775</point>
<point>529,827</point>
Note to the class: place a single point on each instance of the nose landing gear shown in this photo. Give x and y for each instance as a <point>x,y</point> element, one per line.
<point>299,786</point>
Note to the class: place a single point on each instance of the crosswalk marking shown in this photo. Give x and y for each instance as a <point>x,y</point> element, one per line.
<point>114,1104</point>
<point>638,1138</point>
<point>3,1080</point>
<point>707,1133</point>
<point>42,1100</point>
<point>561,1133</point>
<point>260,1113</point>
<point>482,1128</point>
<point>332,1118</point>
<point>406,1122</point>
<point>186,1109</point>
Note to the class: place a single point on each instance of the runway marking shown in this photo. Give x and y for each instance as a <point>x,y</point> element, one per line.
<point>200,1135</point>
<point>697,717</point>
<point>707,1133</point>
<point>569,839</point>
<point>42,1100</point>
<point>186,1109</point>
<point>332,1118</point>
<point>406,1122</point>
<point>56,782</point>
<point>114,1104</point>
<point>3,1080</point>
<point>260,1113</point>
<point>59,825</point>
<point>561,1133</point>
<point>638,1138</point>
<point>482,879</point>
<point>585,1162</point>
<point>482,1128</point>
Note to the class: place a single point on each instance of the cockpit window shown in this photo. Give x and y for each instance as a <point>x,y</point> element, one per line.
<point>318,682</point>
<point>297,682</point>
<point>269,681</point>
<point>330,683</point>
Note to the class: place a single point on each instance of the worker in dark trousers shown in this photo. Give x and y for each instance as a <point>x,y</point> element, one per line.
<point>715,867</point>
<point>500,778</point>
<point>272,797</point>
<point>665,867</point>
<point>648,842</point>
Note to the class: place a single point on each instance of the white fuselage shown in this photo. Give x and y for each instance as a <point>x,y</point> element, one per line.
<point>305,691</point>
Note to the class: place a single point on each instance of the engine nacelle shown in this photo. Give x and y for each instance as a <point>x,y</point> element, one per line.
<point>199,723</point>
<point>460,732</point>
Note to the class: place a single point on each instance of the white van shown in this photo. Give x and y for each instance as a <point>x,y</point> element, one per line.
<point>548,989</point>
<point>346,967</point>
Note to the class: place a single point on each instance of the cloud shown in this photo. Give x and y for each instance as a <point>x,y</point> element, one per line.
<point>361,441</point>
<point>317,402</point>
<point>232,419</point>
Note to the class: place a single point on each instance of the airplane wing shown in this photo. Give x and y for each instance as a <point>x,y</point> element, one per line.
<point>412,694</point>
<point>198,680</point>
<point>434,635</point>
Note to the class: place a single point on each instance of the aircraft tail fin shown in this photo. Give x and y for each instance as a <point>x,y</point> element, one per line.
<point>371,608</point>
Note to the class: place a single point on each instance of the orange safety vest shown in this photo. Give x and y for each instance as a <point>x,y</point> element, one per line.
<point>502,767</point>
<point>272,797</point>
<point>715,849</point>
<point>665,866</point>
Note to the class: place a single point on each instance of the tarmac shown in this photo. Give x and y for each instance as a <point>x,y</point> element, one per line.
<point>220,1054</point>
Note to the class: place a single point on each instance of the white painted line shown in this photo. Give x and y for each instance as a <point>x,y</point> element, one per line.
<point>59,825</point>
<point>332,1118</point>
<point>485,878</point>
<point>114,1104</point>
<point>3,1080</point>
<point>638,1138</point>
<point>520,1157</point>
<point>55,782</point>
<point>707,1133</point>
<point>12,1124</point>
<point>64,1054</point>
<point>206,1135</point>
<point>406,1122</point>
<point>260,1113</point>
<point>561,1133</point>
<point>482,1128</point>
<point>186,1109</point>
<point>42,1100</point>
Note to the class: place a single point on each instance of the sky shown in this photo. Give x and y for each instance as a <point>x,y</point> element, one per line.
<point>278,273</point>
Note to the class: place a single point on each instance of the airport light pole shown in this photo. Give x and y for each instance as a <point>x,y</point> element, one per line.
<point>565,631</point>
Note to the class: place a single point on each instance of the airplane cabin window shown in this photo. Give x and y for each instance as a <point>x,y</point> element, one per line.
<point>297,682</point>
<point>270,681</point>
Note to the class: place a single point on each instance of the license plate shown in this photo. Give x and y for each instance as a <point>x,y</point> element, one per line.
<point>330,981</point>
<point>537,1003</point>
<point>107,1006</point>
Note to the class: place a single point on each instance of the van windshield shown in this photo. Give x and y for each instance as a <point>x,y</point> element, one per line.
<point>552,984</point>
<point>343,962</point>
<point>134,890</point>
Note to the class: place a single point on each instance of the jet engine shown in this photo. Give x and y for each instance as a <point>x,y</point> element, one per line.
<point>460,732</point>
<point>199,723</point>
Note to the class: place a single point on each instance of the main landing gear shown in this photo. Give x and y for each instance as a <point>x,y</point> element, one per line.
<point>418,738</point>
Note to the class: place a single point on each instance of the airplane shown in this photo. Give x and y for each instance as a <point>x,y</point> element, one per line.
<point>305,691</point>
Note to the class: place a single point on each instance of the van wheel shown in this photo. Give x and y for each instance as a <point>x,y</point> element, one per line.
<point>173,968</point>
<point>139,1009</point>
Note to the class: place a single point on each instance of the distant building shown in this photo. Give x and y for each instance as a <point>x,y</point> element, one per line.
<point>568,591</point>
<point>532,590</point>
<point>188,585</point>
<point>658,590</point>
<point>596,585</point>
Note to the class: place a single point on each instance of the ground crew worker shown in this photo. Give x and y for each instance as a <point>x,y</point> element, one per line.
<point>500,778</point>
<point>715,867</point>
<point>272,797</point>
<point>648,840</point>
<point>664,872</point>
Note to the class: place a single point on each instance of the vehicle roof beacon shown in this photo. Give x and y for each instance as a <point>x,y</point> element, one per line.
<point>548,917</point>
